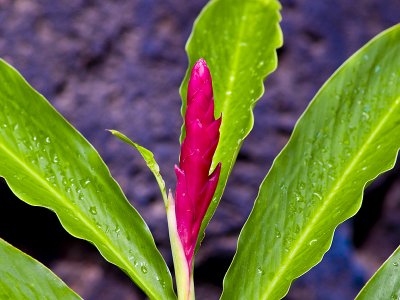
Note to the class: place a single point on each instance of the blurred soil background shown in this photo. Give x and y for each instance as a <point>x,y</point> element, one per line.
<point>118,64</point>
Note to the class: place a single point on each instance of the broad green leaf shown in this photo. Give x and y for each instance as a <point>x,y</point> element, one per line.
<point>349,135</point>
<point>148,157</point>
<point>385,284</point>
<point>22,277</point>
<point>46,162</point>
<point>238,39</point>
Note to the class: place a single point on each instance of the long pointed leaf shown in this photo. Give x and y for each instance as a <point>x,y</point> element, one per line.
<point>148,157</point>
<point>385,284</point>
<point>238,39</point>
<point>349,135</point>
<point>22,277</point>
<point>46,162</point>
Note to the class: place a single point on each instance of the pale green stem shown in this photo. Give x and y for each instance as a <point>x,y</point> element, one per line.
<point>191,292</point>
<point>184,276</point>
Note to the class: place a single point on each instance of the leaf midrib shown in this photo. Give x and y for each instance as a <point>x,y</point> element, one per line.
<point>306,233</point>
<point>80,216</point>
<point>234,62</point>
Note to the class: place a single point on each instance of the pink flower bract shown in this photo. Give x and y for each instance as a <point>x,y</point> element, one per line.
<point>195,187</point>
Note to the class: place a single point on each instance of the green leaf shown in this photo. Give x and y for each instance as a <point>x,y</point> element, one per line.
<point>46,162</point>
<point>349,135</point>
<point>148,157</point>
<point>385,284</point>
<point>238,39</point>
<point>22,277</point>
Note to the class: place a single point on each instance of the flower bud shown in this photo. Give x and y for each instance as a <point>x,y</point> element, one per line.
<point>195,187</point>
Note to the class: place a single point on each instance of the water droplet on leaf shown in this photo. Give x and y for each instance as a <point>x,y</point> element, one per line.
<point>93,210</point>
<point>84,182</point>
<point>277,233</point>
<point>143,268</point>
<point>312,242</point>
<point>317,195</point>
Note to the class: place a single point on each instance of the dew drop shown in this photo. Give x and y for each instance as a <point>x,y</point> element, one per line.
<point>312,242</point>
<point>336,213</point>
<point>84,182</point>
<point>131,257</point>
<point>299,197</point>
<point>117,230</point>
<point>48,140</point>
<point>260,271</point>
<point>93,210</point>
<point>317,195</point>
<point>396,264</point>
<point>143,268</point>
<point>365,116</point>
<point>162,282</point>
<point>50,179</point>
<point>302,185</point>
<point>277,233</point>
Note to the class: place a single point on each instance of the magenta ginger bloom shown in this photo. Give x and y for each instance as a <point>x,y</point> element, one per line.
<point>195,187</point>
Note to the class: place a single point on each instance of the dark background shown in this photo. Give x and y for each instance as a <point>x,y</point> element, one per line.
<point>118,64</point>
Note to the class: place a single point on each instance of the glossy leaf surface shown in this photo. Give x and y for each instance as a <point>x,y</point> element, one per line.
<point>348,135</point>
<point>385,284</point>
<point>22,277</point>
<point>46,162</point>
<point>238,39</point>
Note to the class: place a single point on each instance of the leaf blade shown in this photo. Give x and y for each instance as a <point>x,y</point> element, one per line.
<point>148,157</point>
<point>385,283</point>
<point>347,136</point>
<point>226,34</point>
<point>28,278</point>
<point>46,162</point>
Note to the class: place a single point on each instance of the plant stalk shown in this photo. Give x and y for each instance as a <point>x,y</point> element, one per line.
<point>183,275</point>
